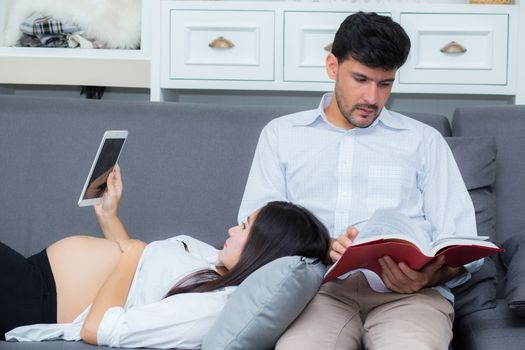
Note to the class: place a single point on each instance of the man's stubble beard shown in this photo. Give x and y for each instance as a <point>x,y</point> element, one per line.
<point>347,113</point>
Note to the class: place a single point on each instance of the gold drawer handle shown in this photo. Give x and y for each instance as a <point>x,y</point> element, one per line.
<point>328,47</point>
<point>453,47</point>
<point>221,43</point>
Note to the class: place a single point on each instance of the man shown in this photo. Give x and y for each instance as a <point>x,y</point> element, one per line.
<point>343,161</point>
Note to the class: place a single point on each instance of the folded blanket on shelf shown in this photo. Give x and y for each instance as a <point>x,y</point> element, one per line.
<point>115,23</point>
<point>45,31</point>
<point>39,25</point>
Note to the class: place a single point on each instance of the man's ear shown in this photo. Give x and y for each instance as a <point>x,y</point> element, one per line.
<point>331,66</point>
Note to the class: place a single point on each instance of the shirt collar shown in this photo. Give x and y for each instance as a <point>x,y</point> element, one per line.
<point>386,118</point>
<point>317,115</point>
<point>392,120</point>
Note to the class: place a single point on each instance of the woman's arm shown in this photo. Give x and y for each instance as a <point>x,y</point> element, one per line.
<point>107,210</point>
<point>179,322</point>
<point>115,289</point>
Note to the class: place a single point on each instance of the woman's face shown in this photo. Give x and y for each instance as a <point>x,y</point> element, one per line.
<point>234,245</point>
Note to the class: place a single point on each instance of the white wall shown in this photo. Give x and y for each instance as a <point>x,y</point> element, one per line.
<point>520,96</point>
<point>4,6</point>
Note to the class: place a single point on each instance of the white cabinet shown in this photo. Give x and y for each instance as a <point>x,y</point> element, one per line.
<point>308,38</point>
<point>282,45</point>
<point>464,49</point>
<point>221,45</point>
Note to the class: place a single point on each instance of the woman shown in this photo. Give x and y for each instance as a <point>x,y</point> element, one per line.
<point>123,292</point>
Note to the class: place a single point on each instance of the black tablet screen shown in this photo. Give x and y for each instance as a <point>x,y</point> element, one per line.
<point>106,161</point>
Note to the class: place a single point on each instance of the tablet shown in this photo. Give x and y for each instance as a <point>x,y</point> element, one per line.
<point>107,156</point>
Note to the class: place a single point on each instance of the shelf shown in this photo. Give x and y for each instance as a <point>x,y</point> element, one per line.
<point>76,71</point>
<point>40,66</point>
<point>90,67</point>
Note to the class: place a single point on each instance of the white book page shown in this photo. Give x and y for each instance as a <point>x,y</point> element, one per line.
<point>441,243</point>
<point>388,223</point>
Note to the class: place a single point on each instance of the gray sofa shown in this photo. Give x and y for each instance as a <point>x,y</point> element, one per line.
<point>185,166</point>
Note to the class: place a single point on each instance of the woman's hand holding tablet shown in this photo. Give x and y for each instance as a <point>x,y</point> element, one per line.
<point>107,156</point>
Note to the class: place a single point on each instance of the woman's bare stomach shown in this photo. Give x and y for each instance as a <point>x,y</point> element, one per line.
<point>80,265</point>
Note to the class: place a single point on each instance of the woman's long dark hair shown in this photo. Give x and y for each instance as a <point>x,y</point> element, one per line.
<point>279,229</point>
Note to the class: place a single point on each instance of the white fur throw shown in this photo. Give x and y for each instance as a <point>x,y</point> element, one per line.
<point>115,22</point>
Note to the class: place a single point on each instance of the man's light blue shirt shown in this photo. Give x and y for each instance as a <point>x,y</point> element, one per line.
<point>343,176</point>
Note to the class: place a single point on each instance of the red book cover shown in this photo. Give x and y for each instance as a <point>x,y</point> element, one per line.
<point>366,255</point>
<point>390,233</point>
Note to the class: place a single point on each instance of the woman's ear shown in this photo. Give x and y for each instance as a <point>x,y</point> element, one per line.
<point>331,66</point>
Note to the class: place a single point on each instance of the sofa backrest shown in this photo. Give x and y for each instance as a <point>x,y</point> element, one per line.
<point>507,125</point>
<point>184,166</point>
<point>437,121</point>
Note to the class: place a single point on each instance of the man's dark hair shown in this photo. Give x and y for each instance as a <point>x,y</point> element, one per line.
<point>373,40</point>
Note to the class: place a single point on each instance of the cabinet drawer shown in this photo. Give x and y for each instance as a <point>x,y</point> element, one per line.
<point>477,44</point>
<point>307,40</point>
<point>221,45</point>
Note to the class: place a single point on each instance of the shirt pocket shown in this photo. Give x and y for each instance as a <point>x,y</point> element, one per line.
<point>388,186</point>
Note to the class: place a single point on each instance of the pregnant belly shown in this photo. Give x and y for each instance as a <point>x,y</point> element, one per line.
<point>80,265</point>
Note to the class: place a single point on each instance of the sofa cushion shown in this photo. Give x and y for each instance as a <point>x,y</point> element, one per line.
<point>514,260</point>
<point>265,304</point>
<point>506,123</point>
<point>489,330</point>
<point>478,293</point>
<point>476,159</point>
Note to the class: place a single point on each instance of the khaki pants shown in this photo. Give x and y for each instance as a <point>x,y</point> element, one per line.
<point>349,315</point>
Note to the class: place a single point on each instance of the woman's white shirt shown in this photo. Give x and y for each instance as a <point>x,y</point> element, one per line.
<point>148,319</point>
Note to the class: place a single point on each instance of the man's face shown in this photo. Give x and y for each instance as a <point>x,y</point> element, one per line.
<point>360,92</point>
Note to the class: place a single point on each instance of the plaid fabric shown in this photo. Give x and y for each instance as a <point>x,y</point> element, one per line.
<point>39,26</point>
<point>45,41</point>
<point>46,26</point>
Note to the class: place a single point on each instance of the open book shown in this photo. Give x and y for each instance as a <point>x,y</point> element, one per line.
<point>391,233</point>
